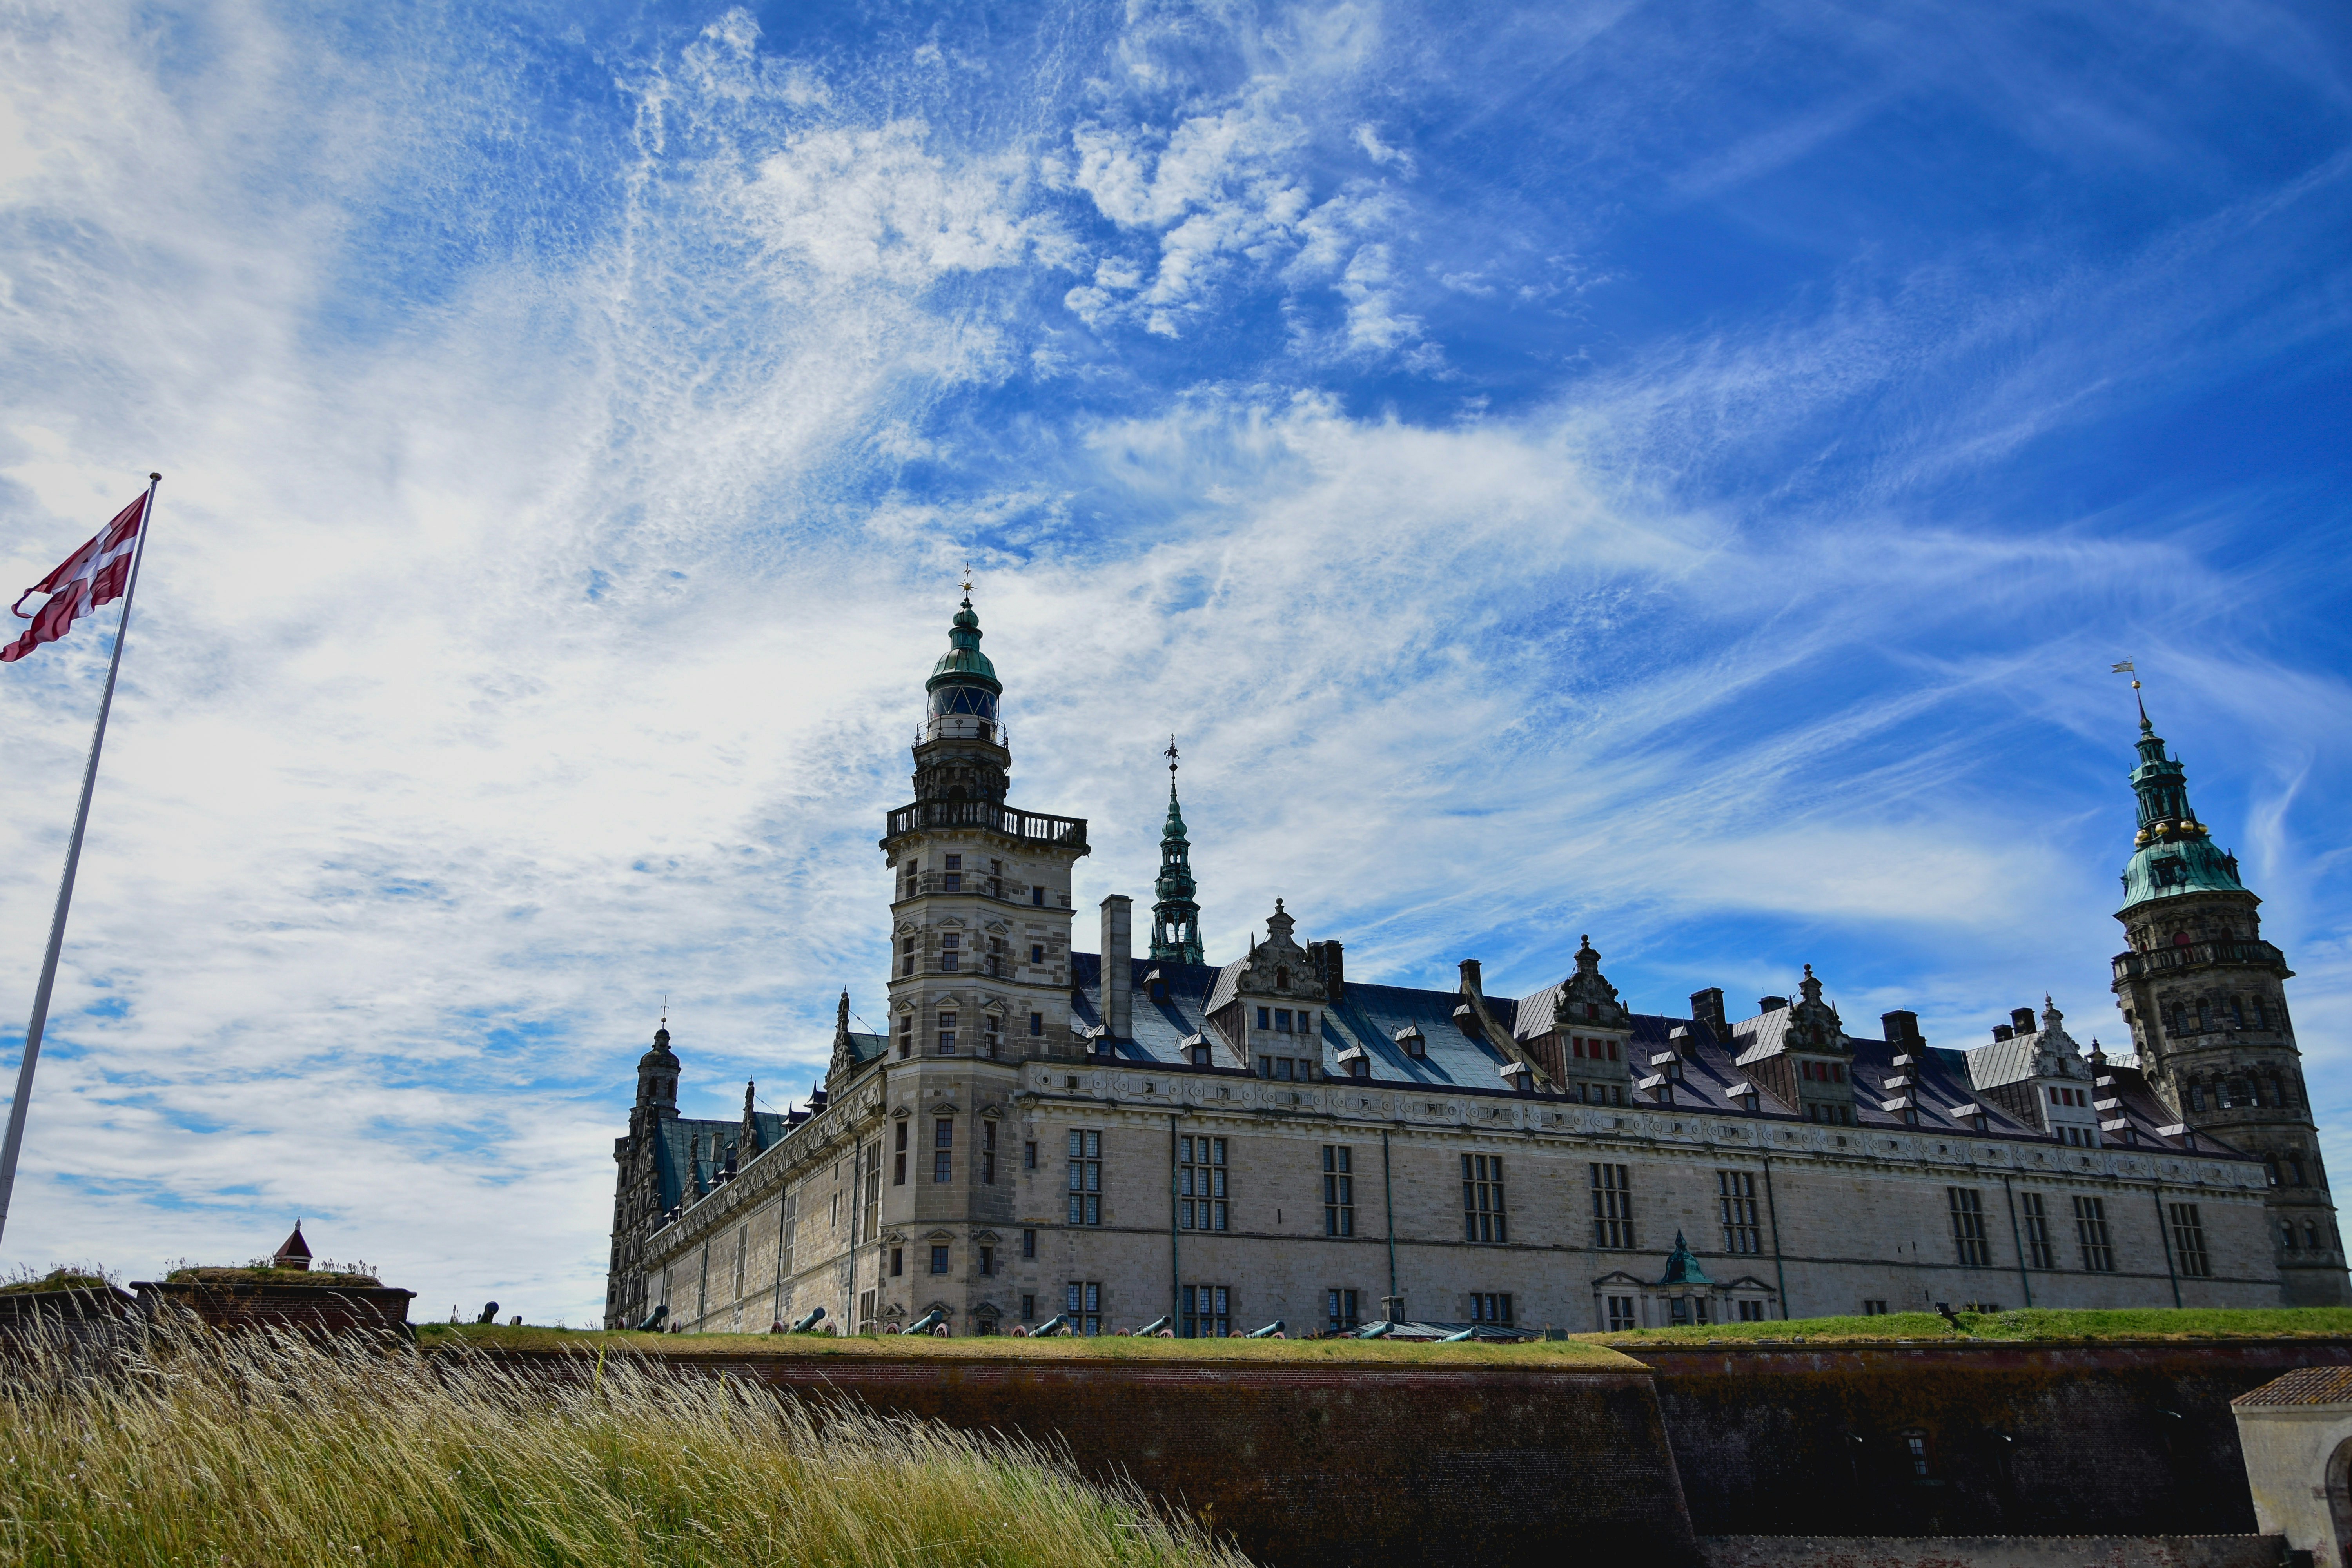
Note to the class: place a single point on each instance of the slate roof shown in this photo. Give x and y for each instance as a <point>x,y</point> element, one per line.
<point>679,1132</point>
<point>863,1048</point>
<point>1369,1017</point>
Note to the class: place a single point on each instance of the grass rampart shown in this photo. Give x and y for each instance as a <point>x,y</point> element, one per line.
<point>262,1449</point>
<point>2118,1326</point>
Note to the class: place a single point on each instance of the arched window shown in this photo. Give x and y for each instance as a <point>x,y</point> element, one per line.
<point>2294,1171</point>
<point>2197,1098</point>
<point>2271,1165</point>
<point>2286,1233</point>
<point>2310,1237</point>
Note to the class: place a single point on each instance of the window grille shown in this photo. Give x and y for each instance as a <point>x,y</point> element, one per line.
<point>2091,1233</point>
<point>1338,1190</point>
<point>939,1258</point>
<point>1751,1312</point>
<point>1082,1301</point>
<point>1622,1316</point>
<point>899,1157</point>
<point>1340,1313</point>
<point>2039,1252</point>
<point>1969,1227</point>
<point>946,1034</point>
<point>1490,1306</point>
<point>1482,1198</point>
<point>943,1150</point>
<point>2189,1243</point>
<point>1613,1207</point>
<point>1208,1311</point>
<point>1201,1196</point>
<point>1085,1177</point>
<point>950,952</point>
<point>1736,1193</point>
<point>988,1153</point>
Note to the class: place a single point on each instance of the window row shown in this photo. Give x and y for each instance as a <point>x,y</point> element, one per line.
<point>948,1038</point>
<point>943,1150</point>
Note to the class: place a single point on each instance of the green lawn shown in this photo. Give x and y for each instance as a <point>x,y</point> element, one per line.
<point>1578,1352</point>
<point>2122,1324</point>
<point>2102,1325</point>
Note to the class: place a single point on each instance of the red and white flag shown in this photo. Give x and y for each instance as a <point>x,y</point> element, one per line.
<point>93,575</point>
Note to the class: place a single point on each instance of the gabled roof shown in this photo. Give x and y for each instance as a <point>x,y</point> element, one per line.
<point>1368,1016</point>
<point>864,1047</point>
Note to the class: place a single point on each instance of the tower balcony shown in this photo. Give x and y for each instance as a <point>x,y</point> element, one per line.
<point>1026,827</point>
<point>2161,961</point>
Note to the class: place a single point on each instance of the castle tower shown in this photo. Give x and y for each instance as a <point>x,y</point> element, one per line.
<point>2205,997</point>
<point>1176,914</point>
<point>980,910</point>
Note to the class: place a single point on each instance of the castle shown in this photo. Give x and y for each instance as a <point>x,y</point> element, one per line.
<point>1120,1137</point>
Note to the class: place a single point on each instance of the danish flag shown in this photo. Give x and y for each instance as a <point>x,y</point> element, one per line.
<point>93,575</point>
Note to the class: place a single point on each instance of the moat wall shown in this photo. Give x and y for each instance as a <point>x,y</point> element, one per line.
<point>2021,1439</point>
<point>1306,1464</point>
<point>1310,1465</point>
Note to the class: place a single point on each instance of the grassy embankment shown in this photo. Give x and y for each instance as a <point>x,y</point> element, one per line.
<point>2117,1326</point>
<point>250,1449</point>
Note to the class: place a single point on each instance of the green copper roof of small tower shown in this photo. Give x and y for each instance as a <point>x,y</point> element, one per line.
<point>963,664</point>
<point>1681,1266</point>
<point>2173,853</point>
<point>1174,828</point>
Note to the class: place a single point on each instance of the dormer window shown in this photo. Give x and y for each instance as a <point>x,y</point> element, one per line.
<point>1360,1067</point>
<point>1409,1038</point>
<point>1200,1056</point>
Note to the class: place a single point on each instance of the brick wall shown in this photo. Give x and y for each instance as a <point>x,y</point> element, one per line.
<point>2018,1439</point>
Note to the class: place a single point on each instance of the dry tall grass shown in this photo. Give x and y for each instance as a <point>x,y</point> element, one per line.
<point>212,1450</point>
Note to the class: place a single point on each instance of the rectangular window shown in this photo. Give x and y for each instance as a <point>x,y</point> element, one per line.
<point>1751,1312</point>
<point>1338,1190</point>
<point>1028,1309</point>
<point>1873,1308</point>
<point>993,1036</point>
<point>1208,1311</point>
<point>1482,1198</point>
<point>1613,1207</point>
<point>1969,1227</point>
<point>1282,1020</point>
<point>988,1260</point>
<point>1340,1312</point>
<point>897,1261</point>
<point>951,882</point>
<point>988,1153</point>
<point>899,1157</point>
<point>2091,1233</point>
<point>1201,1193</point>
<point>2039,1252</point>
<point>1029,1156</point>
<point>1037,1024</point>
<point>907,960</point>
<point>1265,1018</point>
<point>907,1025</point>
<point>939,1258</point>
<point>1085,1177</point>
<point>1490,1307</point>
<point>1736,1195</point>
<point>1038,896</point>
<point>2189,1243</point>
<point>948,1025</point>
<point>1082,1304</point>
<point>1622,1316</point>
<point>1028,1246</point>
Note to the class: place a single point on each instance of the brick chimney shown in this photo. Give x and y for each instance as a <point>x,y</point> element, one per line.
<point>1118,966</point>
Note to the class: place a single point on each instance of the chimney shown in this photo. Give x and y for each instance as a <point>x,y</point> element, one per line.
<point>1328,971</point>
<point>1470,981</point>
<point>1771,1003</point>
<point>1118,966</point>
<point>1902,1028</point>
<point>1706,1007</point>
<point>2020,1019</point>
<point>2003,1032</point>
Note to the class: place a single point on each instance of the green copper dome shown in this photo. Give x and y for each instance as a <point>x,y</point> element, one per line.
<point>2173,853</point>
<point>963,664</point>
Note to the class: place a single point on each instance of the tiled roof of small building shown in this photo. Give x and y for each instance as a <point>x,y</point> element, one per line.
<point>2304,1386</point>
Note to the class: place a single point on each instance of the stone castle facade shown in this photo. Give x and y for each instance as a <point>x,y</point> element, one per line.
<point>1123,1136</point>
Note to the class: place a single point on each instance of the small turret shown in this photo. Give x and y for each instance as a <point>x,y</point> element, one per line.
<point>1176,913</point>
<point>658,1075</point>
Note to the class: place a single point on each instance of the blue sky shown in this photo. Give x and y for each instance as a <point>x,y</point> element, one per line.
<point>1675,473</point>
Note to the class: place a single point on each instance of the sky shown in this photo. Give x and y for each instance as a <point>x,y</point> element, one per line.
<point>1675,473</point>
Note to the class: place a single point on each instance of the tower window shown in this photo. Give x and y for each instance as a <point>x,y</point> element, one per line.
<point>1036,952</point>
<point>946,1034</point>
<point>1036,1024</point>
<point>951,882</point>
<point>1038,896</point>
<point>953,863</point>
<point>950,952</point>
<point>1282,1020</point>
<point>1265,1018</point>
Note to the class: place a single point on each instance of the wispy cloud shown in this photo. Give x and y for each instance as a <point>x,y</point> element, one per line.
<point>571,436</point>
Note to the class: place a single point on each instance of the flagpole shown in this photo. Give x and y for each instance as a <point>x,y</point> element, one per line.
<point>23,1100</point>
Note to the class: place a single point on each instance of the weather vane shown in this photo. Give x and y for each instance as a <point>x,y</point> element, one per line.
<point>1171,755</point>
<point>967,579</point>
<point>2125,667</point>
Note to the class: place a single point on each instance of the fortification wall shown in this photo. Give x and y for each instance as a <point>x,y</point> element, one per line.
<point>2041,1439</point>
<point>1313,1464</point>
